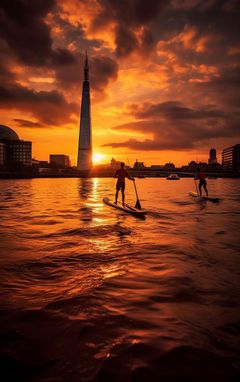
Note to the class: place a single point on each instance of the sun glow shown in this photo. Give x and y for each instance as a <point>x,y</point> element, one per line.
<point>98,158</point>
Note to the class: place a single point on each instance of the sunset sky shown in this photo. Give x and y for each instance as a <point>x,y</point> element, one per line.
<point>164,76</point>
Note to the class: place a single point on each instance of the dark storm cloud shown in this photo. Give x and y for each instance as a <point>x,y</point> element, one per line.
<point>49,108</point>
<point>125,40</point>
<point>74,34</point>
<point>225,88</point>
<point>5,74</point>
<point>174,110</point>
<point>61,57</point>
<point>151,145</point>
<point>103,69</point>
<point>147,40</point>
<point>177,127</point>
<point>162,20</point>
<point>27,123</point>
<point>129,16</point>
<point>220,16</point>
<point>27,35</point>
<point>128,12</point>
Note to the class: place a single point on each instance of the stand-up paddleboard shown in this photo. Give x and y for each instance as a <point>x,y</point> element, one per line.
<point>126,208</point>
<point>203,197</point>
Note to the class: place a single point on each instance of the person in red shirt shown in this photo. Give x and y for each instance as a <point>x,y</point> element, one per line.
<point>121,174</point>
<point>202,181</point>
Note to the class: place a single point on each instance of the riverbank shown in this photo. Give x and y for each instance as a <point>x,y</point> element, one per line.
<point>109,174</point>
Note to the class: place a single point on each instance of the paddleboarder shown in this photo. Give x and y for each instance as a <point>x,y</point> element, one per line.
<point>202,181</point>
<point>121,174</point>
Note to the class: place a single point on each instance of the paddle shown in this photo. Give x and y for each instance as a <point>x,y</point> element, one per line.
<point>137,205</point>
<point>196,187</point>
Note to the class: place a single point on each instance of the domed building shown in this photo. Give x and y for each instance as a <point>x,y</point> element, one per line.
<point>8,134</point>
<point>14,153</point>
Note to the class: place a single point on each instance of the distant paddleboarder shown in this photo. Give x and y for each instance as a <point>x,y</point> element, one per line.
<point>121,174</point>
<point>202,181</point>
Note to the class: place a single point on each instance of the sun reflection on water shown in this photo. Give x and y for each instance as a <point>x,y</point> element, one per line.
<point>115,282</point>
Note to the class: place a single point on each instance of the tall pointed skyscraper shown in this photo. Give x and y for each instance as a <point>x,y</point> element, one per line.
<point>85,133</point>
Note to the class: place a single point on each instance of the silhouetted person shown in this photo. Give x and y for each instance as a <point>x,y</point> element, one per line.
<point>202,181</point>
<point>121,174</point>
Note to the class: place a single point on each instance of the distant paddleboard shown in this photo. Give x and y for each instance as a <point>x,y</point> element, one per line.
<point>203,197</point>
<point>126,208</point>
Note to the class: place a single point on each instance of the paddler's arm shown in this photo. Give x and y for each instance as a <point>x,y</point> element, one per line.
<point>129,176</point>
<point>116,174</point>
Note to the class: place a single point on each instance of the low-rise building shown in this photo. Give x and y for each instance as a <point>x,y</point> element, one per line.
<point>59,161</point>
<point>169,166</point>
<point>138,165</point>
<point>115,164</point>
<point>231,158</point>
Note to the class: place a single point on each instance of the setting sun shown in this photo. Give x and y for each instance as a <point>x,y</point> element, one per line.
<point>98,158</point>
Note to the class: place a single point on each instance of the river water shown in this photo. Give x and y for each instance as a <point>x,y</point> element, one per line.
<point>89,293</point>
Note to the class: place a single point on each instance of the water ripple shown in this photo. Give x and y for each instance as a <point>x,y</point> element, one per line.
<point>91,294</point>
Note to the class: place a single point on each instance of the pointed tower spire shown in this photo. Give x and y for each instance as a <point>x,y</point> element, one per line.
<point>86,68</point>
<point>85,133</point>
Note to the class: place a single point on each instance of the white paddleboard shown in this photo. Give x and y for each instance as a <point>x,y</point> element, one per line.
<point>130,210</point>
<point>203,197</point>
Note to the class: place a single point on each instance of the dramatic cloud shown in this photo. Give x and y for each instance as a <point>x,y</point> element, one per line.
<point>27,35</point>
<point>174,111</point>
<point>224,88</point>
<point>26,123</point>
<point>131,19</point>
<point>48,107</point>
<point>103,70</point>
<point>151,145</point>
<point>164,75</point>
<point>6,75</point>
<point>174,126</point>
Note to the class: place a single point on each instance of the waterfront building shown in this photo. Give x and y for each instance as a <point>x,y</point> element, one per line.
<point>203,166</point>
<point>115,164</point>
<point>192,166</point>
<point>35,162</point>
<point>84,162</point>
<point>16,153</point>
<point>231,158</point>
<point>212,157</point>
<point>169,166</point>
<point>138,165</point>
<point>59,161</point>
<point>44,163</point>
<point>156,166</point>
<point>2,155</point>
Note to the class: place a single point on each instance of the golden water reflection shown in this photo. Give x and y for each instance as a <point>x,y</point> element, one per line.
<point>114,284</point>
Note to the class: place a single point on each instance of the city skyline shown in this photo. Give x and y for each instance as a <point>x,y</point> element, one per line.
<point>164,77</point>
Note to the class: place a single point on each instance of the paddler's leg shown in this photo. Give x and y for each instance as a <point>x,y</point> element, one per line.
<point>200,188</point>
<point>123,194</point>
<point>117,191</point>
<point>116,197</point>
<point>205,187</point>
<point>123,197</point>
